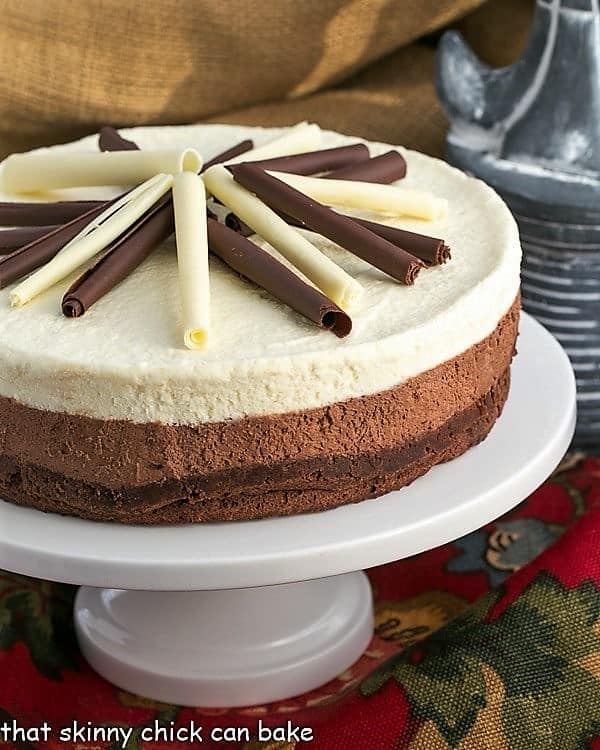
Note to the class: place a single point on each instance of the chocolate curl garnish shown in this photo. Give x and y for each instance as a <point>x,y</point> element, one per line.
<point>109,139</point>
<point>431,250</point>
<point>231,153</point>
<point>384,169</point>
<point>122,257</point>
<point>359,240</point>
<point>40,251</point>
<point>13,239</point>
<point>315,162</point>
<point>20,214</point>
<point>258,266</point>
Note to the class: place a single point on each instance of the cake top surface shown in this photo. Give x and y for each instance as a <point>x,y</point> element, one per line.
<point>124,358</point>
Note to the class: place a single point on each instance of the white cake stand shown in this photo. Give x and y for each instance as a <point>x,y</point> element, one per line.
<point>250,612</point>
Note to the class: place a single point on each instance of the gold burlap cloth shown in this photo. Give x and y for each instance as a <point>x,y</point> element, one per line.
<point>359,66</point>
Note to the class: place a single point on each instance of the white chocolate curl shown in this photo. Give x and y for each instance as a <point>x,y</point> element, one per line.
<point>88,243</point>
<point>302,137</point>
<point>189,201</point>
<point>334,282</point>
<point>384,199</point>
<point>115,206</point>
<point>48,170</point>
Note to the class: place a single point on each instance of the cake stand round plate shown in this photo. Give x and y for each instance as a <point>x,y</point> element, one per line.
<point>249,612</point>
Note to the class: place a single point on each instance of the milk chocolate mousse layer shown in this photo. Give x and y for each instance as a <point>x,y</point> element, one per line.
<point>256,466</point>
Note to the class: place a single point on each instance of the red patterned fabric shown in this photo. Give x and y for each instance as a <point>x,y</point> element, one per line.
<point>492,641</point>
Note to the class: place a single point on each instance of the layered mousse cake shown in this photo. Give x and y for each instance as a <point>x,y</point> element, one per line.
<point>108,416</point>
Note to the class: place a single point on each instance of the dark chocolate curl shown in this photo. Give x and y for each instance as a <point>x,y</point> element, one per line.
<point>386,168</point>
<point>430,250</point>
<point>110,139</point>
<point>231,153</point>
<point>359,240</point>
<point>256,265</point>
<point>20,214</point>
<point>315,162</point>
<point>122,257</point>
<point>40,251</point>
<point>13,239</point>
<point>237,225</point>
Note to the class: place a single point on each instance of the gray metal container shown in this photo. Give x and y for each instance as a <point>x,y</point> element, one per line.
<point>532,131</point>
<point>561,288</point>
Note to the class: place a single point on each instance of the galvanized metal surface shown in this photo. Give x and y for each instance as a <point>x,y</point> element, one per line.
<point>532,130</point>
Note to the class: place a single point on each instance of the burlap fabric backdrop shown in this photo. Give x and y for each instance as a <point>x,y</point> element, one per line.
<point>353,65</point>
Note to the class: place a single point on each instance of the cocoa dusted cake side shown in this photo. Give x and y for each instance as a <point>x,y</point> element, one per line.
<point>256,467</point>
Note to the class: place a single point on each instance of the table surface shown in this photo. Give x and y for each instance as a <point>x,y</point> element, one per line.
<point>453,499</point>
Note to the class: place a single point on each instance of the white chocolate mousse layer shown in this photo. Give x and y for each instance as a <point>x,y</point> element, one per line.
<point>125,360</point>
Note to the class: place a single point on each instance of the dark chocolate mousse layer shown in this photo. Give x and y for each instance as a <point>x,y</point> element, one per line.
<point>258,466</point>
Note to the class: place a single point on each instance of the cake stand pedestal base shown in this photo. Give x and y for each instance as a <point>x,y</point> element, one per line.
<point>226,648</point>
